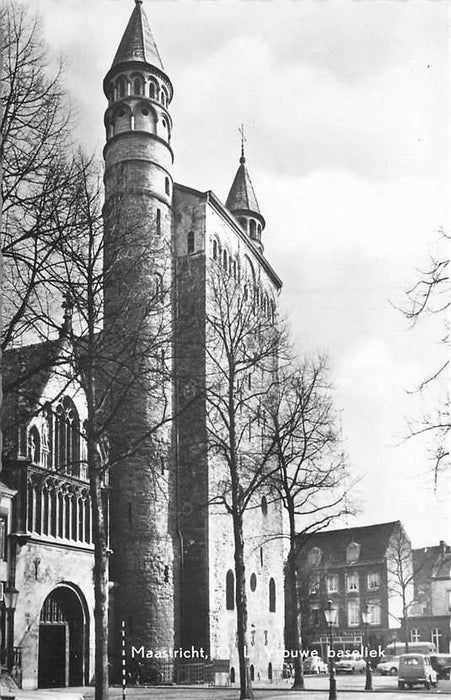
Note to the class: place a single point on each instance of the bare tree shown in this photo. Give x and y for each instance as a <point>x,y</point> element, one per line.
<point>401,573</point>
<point>242,345</point>
<point>35,157</point>
<point>310,476</point>
<point>431,296</point>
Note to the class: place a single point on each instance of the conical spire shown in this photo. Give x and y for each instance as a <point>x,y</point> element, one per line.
<point>242,196</point>
<point>137,43</point>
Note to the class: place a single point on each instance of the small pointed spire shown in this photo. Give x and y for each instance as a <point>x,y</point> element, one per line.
<point>243,141</point>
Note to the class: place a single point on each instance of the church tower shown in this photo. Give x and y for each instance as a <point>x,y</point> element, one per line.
<point>137,336</point>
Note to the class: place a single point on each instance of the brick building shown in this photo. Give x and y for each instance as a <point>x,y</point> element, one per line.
<point>352,568</point>
<point>172,561</point>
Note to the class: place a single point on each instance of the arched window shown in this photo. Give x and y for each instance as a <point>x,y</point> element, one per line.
<point>252,670</point>
<point>138,85</point>
<point>243,223</point>
<point>272,595</point>
<point>253,582</point>
<point>163,98</point>
<point>230,590</point>
<point>259,231</point>
<point>270,671</point>
<point>190,242</point>
<point>167,187</point>
<point>264,505</point>
<point>314,557</point>
<point>252,227</point>
<point>352,552</point>
<point>122,86</point>
<point>152,90</point>
<point>232,675</point>
<point>158,222</point>
<point>261,556</point>
<point>234,269</point>
<point>224,259</point>
<point>67,437</point>
<point>215,249</point>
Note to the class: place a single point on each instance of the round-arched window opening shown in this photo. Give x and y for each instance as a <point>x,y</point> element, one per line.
<point>253,582</point>
<point>166,185</point>
<point>264,505</point>
<point>252,670</point>
<point>163,121</point>
<point>232,675</point>
<point>144,111</point>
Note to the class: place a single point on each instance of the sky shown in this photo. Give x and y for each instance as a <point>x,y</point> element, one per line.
<point>345,107</point>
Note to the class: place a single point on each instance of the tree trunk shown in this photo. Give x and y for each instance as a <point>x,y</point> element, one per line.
<point>100,579</point>
<point>293,588</point>
<point>246,691</point>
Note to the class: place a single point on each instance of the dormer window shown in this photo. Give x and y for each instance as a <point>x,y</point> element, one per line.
<point>352,553</point>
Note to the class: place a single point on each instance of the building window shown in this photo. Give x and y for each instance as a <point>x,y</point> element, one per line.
<point>252,228</point>
<point>373,580</point>
<point>67,437</point>
<point>332,583</point>
<point>138,86</point>
<point>314,557</point>
<point>215,249</point>
<point>353,613</point>
<point>230,590</point>
<point>352,582</point>
<point>315,617</point>
<point>253,582</point>
<point>167,187</point>
<point>272,595</point>
<point>252,671</point>
<point>436,635</point>
<point>270,671</point>
<point>232,675</point>
<point>374,610</point>
<point>224,259</point>
<point>264,505</point>
<point>158,222</point>
<point>3,535</point>
<point>314,584</point>
<point>122,86</point>
<point>415,635</point>
<point>152,90</point>
<point>352,553</point>
<point>190,242</point>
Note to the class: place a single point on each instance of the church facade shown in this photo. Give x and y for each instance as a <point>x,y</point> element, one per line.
<point>172,579</point>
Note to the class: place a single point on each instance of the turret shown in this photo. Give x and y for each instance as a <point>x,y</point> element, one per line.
<point>242,203</point>
<point>138,222</point>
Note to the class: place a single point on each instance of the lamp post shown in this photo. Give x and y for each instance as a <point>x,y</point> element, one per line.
<point>10,594</point>
<point>331,618</point>
<point>366,622</point>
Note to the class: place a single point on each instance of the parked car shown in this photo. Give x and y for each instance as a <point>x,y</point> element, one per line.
<point>389,666</point>
<point>416,669</point>
<point>441,663</point>
<point>314,664</point>
<point>351,663</point>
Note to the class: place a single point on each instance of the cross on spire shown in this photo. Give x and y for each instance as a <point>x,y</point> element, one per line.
<point>243,141</point>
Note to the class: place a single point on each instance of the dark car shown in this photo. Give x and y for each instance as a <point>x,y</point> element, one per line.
<point>441,663</point>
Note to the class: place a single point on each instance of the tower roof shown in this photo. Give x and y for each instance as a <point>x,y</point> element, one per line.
<point>137,43</point>
<point>242,196</point>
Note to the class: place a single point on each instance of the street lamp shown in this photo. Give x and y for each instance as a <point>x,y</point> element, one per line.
<point>10,593</point>
<point>366,622</point>
<point>331,618</point>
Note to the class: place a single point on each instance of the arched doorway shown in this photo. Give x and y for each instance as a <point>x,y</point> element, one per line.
<point>63,640</point>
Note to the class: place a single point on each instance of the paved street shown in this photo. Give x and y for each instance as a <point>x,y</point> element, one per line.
<point>348,688</point>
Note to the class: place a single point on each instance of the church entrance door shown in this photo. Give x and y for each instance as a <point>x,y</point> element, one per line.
<point>63,640</point>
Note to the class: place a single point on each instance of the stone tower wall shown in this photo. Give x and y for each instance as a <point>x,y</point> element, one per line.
<point>138,353</point>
